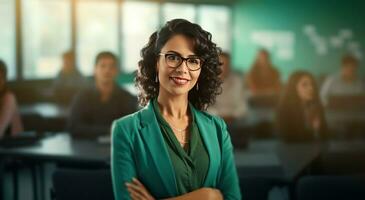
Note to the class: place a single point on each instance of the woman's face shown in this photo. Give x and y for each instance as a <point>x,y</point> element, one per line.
<point>179,80</point>
<point>305,89</point>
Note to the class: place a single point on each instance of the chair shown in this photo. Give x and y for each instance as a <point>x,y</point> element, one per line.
<point>331,187</point>
<point>258,187</point>
<point>342,163</point>
<point>82,184</point>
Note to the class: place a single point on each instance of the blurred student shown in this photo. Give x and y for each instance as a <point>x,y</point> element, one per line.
<point>230,104</point>
<point>69,77</point>
<point>300,115</point>
<point>95,107</point>
<point>263,78</point>
<point>346,82</point>
<point>10,122</point>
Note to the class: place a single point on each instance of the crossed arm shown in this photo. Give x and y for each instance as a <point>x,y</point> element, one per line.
<point>137,191</point>
<point>227,186</point>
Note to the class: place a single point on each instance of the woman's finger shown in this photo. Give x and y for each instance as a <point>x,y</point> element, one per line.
<point>146,194</point>
<point>135,187</point>
<point>135,195</point>
<point>137,182</point>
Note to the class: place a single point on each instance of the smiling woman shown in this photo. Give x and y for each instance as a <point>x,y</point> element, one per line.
<point>172,148</point>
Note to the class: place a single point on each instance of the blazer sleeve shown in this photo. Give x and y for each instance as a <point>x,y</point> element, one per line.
<point>228,182</point>
<point>122,162</point>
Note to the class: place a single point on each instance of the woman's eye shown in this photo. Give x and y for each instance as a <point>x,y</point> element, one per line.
<point>173,57</point>
<point>193,61</point>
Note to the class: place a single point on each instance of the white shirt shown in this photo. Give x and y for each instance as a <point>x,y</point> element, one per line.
<point>335,85</point>
<point>232,101</point>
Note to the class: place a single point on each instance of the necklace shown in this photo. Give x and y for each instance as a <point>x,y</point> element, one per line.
<point>180,132</point>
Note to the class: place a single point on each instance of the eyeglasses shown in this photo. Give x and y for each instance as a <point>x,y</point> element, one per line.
<point>174,60</point>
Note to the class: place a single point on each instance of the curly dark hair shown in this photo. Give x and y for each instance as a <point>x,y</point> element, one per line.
<point>209,81</point>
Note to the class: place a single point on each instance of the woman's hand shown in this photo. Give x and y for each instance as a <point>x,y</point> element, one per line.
<point>137,191</point>
<point>213,194</point>
<point>202,193</point>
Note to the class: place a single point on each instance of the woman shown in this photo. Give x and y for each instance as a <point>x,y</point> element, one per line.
<point>300,114</point>
<point>171,148</point>
<point>263,78</point>
<point>10,123</point>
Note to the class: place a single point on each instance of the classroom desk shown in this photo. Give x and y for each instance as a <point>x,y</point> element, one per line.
<point>43,117</point>
<point>262,157</point>
<point>337,118</point>
<point>272,158</point>
<point>45,110</point>
<point>267,158</point>
<point>58,148</point>
<point>61,148</point>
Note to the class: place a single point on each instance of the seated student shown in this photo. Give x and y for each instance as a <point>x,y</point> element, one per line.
<point>263,78</point>
<point>69,81</point>
<point>230,104</point>
<point>300,115</point>
<point>95,107</point>
<point>69,77</point>
<point>10,122</point>
<point>345,82</point>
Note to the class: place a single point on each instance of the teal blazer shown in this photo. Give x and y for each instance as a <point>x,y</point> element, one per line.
<point>138,150</point>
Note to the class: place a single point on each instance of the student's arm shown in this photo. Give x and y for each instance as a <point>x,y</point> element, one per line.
<point>228,183</point>
<point>16,121</point>
<point>7,111</point>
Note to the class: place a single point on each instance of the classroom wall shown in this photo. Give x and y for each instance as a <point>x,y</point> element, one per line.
<point>308,35</point>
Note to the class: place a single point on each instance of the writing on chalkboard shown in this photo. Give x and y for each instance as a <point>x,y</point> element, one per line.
<point>342,39</point>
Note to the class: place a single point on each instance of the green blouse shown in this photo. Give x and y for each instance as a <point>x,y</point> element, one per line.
<point>190,165</point>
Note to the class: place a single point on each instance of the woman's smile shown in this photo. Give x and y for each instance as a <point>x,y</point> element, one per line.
<point>179,81</point>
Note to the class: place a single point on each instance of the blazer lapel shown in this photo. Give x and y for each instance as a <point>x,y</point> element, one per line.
<point>209,135</point>
<point>155,142</point>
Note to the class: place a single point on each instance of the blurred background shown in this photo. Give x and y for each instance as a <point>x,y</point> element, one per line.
<point>49,49</point>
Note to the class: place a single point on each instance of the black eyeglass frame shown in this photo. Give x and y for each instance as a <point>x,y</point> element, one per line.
<point>182,60</point>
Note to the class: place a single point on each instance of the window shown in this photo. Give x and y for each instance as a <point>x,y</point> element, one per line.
<point>7,36</point>
<point>216,20</point>
<point>97,30</point>
<point>122,27</point>
<point>46,34</point>
<point>176,10</point>
<point>139,21</point>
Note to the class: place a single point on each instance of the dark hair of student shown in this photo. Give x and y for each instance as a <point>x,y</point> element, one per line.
<point>105,54</point>
<point>290,116</point>
<point>209,82</point>
<point>349,59</point>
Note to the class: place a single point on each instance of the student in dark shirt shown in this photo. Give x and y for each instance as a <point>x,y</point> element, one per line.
<point>300,115</point>
<point>95,107</point>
